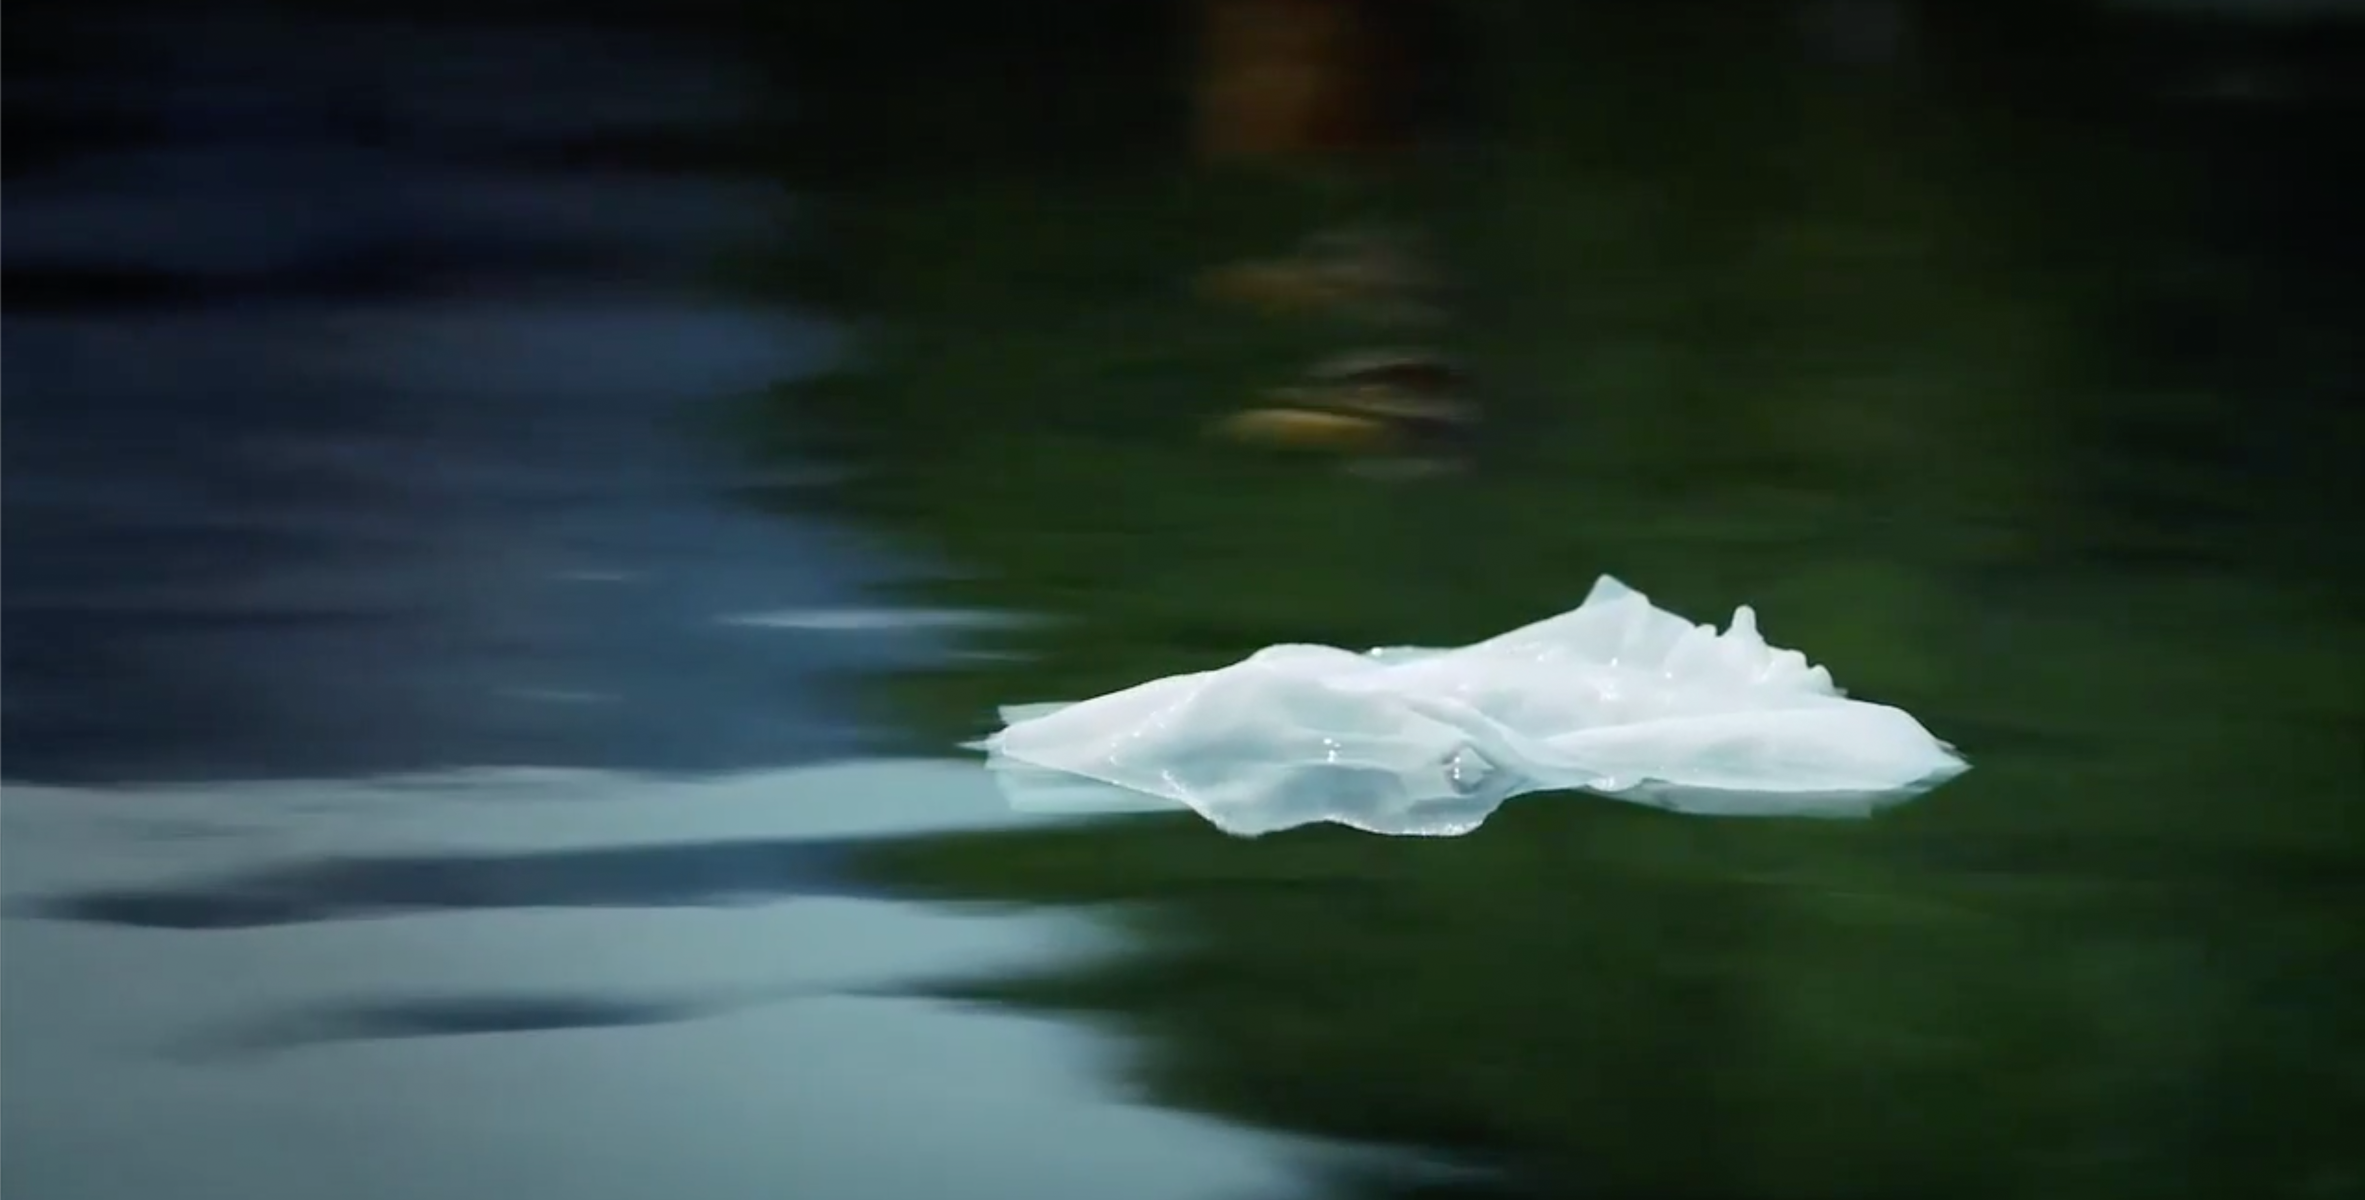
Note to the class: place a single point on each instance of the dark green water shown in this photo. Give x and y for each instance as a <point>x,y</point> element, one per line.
<point>2014,379</point>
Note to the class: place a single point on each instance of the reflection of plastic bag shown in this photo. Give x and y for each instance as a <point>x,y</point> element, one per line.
<point>1615,697</point>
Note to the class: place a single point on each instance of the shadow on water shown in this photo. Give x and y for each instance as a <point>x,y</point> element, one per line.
<point>616,877</point>
<point>450,1016</point>
<point>2007,365</point>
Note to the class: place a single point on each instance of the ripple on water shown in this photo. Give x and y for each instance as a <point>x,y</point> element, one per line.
<point>560,982</point>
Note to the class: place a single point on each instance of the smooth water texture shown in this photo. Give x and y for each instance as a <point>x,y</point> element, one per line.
<point>411,746</point>
<point>543,983</point>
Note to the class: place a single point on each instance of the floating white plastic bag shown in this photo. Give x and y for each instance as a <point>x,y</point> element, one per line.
<point>1615,697</point>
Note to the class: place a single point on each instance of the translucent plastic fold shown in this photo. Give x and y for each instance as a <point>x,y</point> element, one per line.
<point>1615,697</point>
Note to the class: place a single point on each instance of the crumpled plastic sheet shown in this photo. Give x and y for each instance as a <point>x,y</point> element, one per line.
<point>1616,697</point>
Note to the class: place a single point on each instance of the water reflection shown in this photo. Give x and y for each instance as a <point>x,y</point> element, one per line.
<point>2009,373</point>
<point>1997,369</point>
<point>561,982</point>
<point>384,404</point>
<point>400,714</point>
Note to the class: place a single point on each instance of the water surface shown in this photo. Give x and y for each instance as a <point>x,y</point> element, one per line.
<point>415,758</point>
